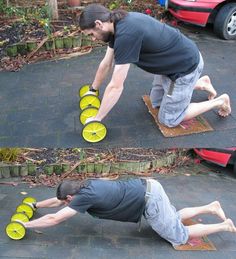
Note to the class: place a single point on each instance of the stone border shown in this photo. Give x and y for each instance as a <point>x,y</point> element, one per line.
<point>17,170</point>
<point>66,42</point>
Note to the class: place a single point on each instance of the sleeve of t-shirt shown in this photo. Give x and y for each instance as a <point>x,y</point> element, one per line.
<point>80,203</point>
<point>127,49</point>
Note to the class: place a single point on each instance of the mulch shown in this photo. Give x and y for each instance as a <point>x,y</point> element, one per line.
<point>45,156</point>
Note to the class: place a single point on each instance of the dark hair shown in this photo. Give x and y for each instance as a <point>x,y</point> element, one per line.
<point>95,12</point>
<point>69,188</point>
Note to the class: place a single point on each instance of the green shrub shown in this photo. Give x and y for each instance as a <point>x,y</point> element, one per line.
<point>9,154</point>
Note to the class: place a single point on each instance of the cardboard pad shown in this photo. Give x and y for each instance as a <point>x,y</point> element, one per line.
<point>195,125</point>
<point>196,244</point>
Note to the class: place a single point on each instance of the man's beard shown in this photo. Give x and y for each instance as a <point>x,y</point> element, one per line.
<point>105,36</point>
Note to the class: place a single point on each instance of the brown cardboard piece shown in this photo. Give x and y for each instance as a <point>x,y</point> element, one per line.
<point>196,125</point>
<point>196,244</point>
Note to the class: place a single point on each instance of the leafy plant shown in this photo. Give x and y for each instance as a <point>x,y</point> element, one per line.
<point>117,3</point>
<point>114,5</point>
<point>45,23</point>
<point>66,30</point>
<point>97,157</point>
<point>2,6</point>
<point>76,150</point>
<point>81,152</point>
<point>41,14</point>
<point>44,16</point>
<point>9,154</point>
<point>44,12</point>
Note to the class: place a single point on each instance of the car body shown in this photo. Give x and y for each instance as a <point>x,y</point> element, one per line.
<point>222,157</point>
<point>222,13</point>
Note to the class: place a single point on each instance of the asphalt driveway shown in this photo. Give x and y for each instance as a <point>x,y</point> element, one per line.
<point>39,104</point>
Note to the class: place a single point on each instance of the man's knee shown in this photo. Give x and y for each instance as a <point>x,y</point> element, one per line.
<point>170,123</point>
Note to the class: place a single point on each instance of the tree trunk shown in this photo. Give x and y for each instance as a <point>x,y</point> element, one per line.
<point>53,6</point>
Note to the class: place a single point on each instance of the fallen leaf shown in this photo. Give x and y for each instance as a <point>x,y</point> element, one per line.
<point>24,193</point>
<point>38,232</point>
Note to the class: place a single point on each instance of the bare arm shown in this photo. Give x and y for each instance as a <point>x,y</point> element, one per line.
<point>104,68</point>
<point>51,219</point>
<point>49,203</point>
<point>113,90</point>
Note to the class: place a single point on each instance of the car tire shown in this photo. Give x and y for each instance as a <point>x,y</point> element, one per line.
<point>233,162</point>
<point>225,16</point>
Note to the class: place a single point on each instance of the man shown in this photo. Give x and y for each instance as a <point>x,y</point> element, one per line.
<point>128,200</point>
<point>156,48</point>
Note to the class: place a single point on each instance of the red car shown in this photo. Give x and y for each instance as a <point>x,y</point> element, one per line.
<point>222,157</point>
<point>222,13</point>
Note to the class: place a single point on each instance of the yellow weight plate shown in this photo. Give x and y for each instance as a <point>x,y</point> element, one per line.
<point>89,101</point>
<point>84,89</point>
<point>88,113</point>
<point>94,131</point>
<point>15,230</point>
<point>29,201</point>
<point>20,217</point>
<point>25,208</point>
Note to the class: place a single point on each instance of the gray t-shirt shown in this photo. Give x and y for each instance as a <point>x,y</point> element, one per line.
<point>153,46</point>
<point>116,200</point>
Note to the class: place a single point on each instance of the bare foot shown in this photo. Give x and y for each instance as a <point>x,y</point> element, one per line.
<point>216,209</point>
<point>225,108</point>
<point>204,83</point>
<point>229,225</point>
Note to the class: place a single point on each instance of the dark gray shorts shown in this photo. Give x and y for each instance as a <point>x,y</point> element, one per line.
<point>162,216</point>
<point>173,107</point>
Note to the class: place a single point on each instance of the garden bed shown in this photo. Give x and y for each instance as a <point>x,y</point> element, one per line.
<point>49,166</point>
<point>21,34</point>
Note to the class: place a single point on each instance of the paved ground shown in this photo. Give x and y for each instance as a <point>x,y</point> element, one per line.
<point>85,237</point>
<point>39,104</point>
